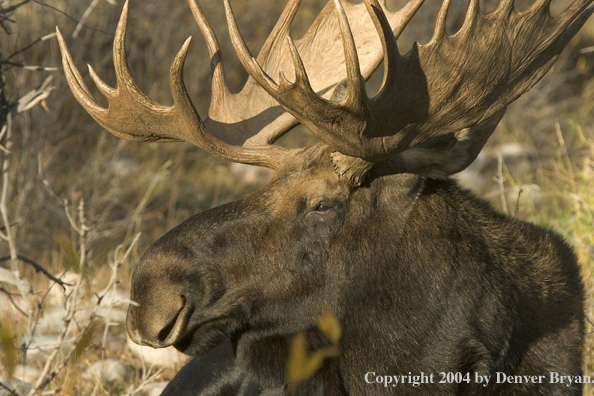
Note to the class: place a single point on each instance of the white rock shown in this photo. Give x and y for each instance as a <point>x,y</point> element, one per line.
<point>42,346</point>
<point>109,370</point>
<point>7,277</point>
<point>21,387</point>
<point>115,315</point>
<point>163,357</point>
<point>8,311</point>
<point>56,295</point>
<point>155,388</point>
<point>528,194</point>
<point>52,321</point>
<point>115,298</point>
<point>26,374</point>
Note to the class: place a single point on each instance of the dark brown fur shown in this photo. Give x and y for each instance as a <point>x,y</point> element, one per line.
<point>423,276</point>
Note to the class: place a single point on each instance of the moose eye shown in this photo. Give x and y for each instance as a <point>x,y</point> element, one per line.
<point>322,207</point>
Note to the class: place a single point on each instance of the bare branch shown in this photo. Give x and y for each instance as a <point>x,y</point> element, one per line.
<point>12,8</point>
<point>35,96</point>
<point>38,268</point>
<point>46,37</point>
<point>70,17</point>
<point>14,303</point>
<point>11,391</point>
<point>84,17</point>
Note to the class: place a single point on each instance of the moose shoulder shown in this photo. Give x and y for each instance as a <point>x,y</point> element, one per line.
<point>423,276</point>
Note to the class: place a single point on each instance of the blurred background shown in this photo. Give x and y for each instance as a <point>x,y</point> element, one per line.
<point>75,197</point>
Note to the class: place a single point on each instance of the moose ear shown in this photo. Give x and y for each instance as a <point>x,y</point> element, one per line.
<point>445,155</point>
<point>435,158</point>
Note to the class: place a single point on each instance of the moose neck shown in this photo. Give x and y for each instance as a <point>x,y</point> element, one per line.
<point>360,284</point>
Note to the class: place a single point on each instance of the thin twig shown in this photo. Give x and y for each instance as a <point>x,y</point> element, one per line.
<point>84,17</point>
<point>38,268</point>
<point>9,389</point>
<point>500,182</point>
<point>25,48</point>
<point>84,229</point>
<point>46,377</point>
<point>117,263</point>
<point>13,8</point>
<point>69,17</point>
<point>28,67</point>
<point>14,304</point>
<point>136,217</point>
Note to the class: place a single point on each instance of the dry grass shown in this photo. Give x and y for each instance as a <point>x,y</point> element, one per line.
<point>62,158</point>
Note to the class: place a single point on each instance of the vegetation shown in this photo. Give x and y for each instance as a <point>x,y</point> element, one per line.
<point>83,205</point>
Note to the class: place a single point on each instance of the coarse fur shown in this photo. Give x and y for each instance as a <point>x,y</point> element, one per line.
<point>422,275</point>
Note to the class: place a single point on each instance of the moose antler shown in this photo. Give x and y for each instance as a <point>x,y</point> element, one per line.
<point>436,108</point>
<point>132,115</point>
<point>252,117</point>
<point>456,88</point>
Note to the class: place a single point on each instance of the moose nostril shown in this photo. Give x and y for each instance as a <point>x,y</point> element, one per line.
<point>166,332</point>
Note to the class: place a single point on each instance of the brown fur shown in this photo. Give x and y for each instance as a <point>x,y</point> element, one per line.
<point>423,276</point>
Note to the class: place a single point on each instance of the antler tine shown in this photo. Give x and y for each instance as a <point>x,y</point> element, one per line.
<point>182,101</point>
<point>220,91</point>
<point>75,80</point>
<point>505,7</point>
<point>122,71</point>
<point>356,85</point>
<point>301,78</point>
<point>281,29</point>
<point>389,47</point>
<point>407,12</point>
<point>105,89</point>
<point>472,14</point>
<point>440,25</point>
<point>245,56</point>
<point>253,67</point>
<point>576,14</point>
<point>299,98</point>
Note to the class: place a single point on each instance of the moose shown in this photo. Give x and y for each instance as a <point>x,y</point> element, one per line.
<point>423,276</point>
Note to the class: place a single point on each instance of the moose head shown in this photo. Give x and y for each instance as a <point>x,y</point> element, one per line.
<point>423,276</point>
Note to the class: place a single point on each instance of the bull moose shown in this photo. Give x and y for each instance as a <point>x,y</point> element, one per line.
<point>423,276</point>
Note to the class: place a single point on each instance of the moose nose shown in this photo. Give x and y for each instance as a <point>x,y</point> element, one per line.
<point>157,325</point>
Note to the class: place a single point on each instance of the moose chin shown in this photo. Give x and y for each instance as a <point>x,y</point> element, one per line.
<point>423,276</point>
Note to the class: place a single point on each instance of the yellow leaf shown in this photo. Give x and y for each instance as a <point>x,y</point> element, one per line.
<point>330,326</point>
<point>297,360</point>
<point>301,365</point>
<point>9,355</point>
